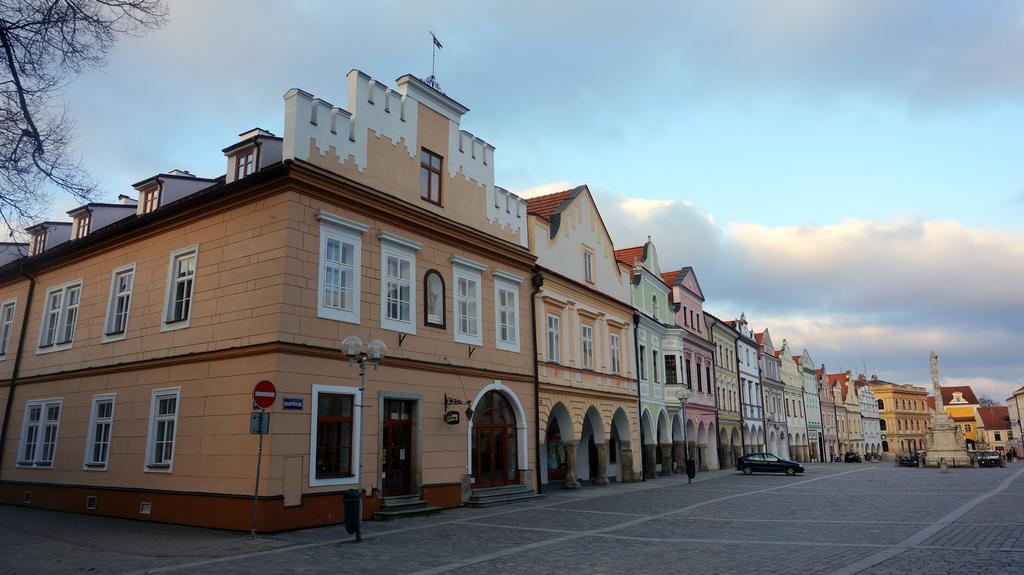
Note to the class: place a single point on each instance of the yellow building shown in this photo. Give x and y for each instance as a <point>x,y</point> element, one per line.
<point>587,388</point>
<point>903,410</point>
<point>962,405</point>
<point>993,428</point>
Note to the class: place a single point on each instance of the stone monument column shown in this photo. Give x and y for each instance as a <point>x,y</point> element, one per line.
<point>570,465</point>
<point>602,464</point>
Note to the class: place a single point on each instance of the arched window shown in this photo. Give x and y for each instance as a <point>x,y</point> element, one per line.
<point>881,405</point>
<point>433,299</point>
<point>654,306</point>
<point>882,425</point>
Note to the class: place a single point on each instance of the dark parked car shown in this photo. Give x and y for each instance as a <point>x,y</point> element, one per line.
<point>989,458</point>
<point>852,457</point>
<point>909,460</point>
<point>768,462</point>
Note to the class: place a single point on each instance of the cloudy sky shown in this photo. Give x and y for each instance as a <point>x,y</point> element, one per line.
<point>846,173</point>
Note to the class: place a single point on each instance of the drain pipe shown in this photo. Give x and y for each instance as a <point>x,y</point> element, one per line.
<point>538,282</point>
<point>17,361</point>
<point>639,405</point>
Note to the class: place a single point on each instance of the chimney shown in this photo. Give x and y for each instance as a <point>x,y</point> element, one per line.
<point>127,200</point>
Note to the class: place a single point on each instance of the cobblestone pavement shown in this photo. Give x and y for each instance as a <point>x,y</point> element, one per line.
<point>836,518</point>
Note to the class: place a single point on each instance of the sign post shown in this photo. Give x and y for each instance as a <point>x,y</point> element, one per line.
<point>263,396</point>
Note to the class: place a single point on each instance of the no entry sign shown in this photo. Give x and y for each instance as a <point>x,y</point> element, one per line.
<point>264,394</point>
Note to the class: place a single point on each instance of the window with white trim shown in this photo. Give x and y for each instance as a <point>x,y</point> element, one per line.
<point>398,283</point>
<point>588,266</point>
<point>654,365</point>
<point>101,421</point>
<point>82,225</point>
<point>554,349</point>
<point>6,326</point>
<point>150,199</point>
<point>506,310</point>
<point>39,433</point>
<point>613,345</point>
<point>244,163</point>
<point>60,316</point>
<point>334,435</point>
<point>468,319</point>
<point>338,291</point>
<point>121,284</point>
<point>181,283</point>
<point>588,346</point>
<point>163,428</point>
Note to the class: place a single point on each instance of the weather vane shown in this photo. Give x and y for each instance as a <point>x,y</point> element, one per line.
<point>432,79</point>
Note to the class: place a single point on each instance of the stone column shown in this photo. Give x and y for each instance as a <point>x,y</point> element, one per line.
<point>602,464</point>
<point>703,456</point>
<point>666,458</point>
<point>626,472</point>
<point>679,453</point>
<point>570,466</point>
<point>651,464</point>
<point>736,454</point>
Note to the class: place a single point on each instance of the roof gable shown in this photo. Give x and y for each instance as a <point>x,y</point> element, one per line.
<point>687,279</point>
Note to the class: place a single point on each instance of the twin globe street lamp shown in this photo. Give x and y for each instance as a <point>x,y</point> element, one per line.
<point>373,353</point>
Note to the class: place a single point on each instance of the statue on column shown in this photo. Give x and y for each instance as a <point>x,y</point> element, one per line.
<point>945,442</point>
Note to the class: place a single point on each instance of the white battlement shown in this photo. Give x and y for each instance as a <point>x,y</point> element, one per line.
<point>375,107</point>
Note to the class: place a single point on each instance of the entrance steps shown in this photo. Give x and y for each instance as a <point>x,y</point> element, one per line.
<point>403,506</point>
<point>491,496</point>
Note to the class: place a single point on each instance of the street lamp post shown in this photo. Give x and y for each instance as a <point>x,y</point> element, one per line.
<point>683,394</point>
<point>356,354</point>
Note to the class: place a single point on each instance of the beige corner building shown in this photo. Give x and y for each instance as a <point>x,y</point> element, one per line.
<point>586,361</point>
<point>133,336</point>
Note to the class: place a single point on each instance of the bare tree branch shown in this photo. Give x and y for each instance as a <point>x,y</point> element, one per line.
<point>45,43</point>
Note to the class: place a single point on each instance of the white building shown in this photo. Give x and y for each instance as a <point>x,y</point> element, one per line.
<point>750,387</point>
<point>869,417</point>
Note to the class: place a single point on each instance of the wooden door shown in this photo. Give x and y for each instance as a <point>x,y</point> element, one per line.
<point>495,447</point>
<point>397,447</point>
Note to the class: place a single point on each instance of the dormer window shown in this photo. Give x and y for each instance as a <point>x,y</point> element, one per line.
<point>82,225</point>
<point>38,243</point>
<point>245,163</point>
<point>150,199</point>
<point>430,176</point>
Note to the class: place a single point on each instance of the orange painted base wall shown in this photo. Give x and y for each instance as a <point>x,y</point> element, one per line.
<point>208,510</point>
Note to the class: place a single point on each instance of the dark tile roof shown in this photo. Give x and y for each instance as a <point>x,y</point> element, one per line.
<point>969,397</point>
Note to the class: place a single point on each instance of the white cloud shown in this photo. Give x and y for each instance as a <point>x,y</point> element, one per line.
<point>544,189</point>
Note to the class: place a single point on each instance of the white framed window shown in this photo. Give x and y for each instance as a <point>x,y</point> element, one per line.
<point>163,428</point>
<point>244,164</point>
<point>613,347</point>
<point>654,365</point>
<point>554,346</point>
<point>82,225</point>
<point>341,245</point>
<point>588,346</point>
<point>181,285</point>
<point>150,199</point>
<point>588,266</point>
<point>654,307</point>
<point>101,421</point>
<point>335,428</point>
<point>122,281</point>
<point>506,314</point>
<point>39,433</point>
<point>6,325</point>
<point>398,283</point>
<point>60,316</point>
<point>468,301</point>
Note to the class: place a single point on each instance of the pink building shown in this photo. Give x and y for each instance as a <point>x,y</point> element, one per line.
<point>698,353</point>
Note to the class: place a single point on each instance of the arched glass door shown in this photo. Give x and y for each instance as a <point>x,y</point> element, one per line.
<point>495,447</point>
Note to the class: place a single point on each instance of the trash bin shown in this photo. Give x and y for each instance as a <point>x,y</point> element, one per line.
<point>354,512</point>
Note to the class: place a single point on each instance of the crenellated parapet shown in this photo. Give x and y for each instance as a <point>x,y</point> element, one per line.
<point>316,126</point>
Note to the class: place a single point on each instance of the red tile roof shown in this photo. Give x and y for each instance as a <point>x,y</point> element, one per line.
<point>545,206</point>
<point>930,400</point>
<point>997,417</point>
<point>964,418</point>
<point>628,255</point>
<point>819,372</point>
<point>796,358</point>
<point>670,278</point>
<point>759,337</point>
<point>969,397</point>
